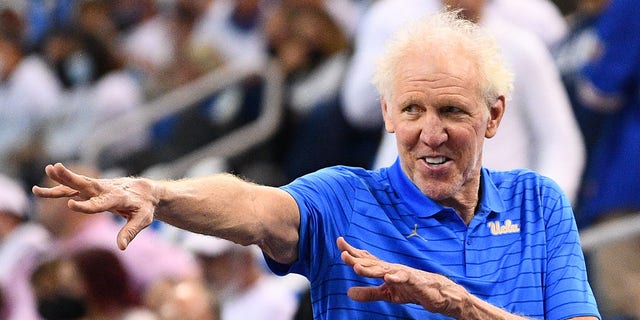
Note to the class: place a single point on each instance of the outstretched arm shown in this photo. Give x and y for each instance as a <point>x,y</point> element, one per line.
<point>402,284</point>
<point>221,205</point>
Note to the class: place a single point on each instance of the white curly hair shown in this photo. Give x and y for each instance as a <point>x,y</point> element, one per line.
<point>443,32</point>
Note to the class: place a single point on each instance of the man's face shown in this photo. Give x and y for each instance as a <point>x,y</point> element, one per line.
<point>440,120</point>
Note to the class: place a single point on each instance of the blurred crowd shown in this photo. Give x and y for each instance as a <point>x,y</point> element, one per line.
<point>68,67</point>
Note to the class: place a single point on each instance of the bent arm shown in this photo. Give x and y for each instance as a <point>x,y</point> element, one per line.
<point>402,284</point>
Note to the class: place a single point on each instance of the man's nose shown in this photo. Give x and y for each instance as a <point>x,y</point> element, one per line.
<point>434,132</point>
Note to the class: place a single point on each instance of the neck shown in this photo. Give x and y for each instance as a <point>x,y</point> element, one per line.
<point>466,201</point>
<point>466,210</point>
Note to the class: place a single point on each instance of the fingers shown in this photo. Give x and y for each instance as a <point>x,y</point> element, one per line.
<point>345,247</point>
<point>351,255</point>
<point>91,195</point>
<point>126,235</point>
<point>362,262</point>
<point>60,174</point>
<point>100,203</point>
<point>366,294</point>
<point>130,230</point>
<point>399,275</point>
<point>347,250</point>
<point>59,191</point>
<point>71,184</point>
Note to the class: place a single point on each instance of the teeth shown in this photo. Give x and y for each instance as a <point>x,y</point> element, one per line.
<point>435,160</point>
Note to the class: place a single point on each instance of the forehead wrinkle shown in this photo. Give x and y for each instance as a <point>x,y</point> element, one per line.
<point>455,99</point>
<point>437,79</point>
<point>420,97</point>
<point>416,87</point>
<point>432,79</point>
<point>441,89</point>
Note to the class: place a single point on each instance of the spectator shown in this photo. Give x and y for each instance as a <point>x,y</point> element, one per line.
<point>95,18</point>
<point>571,55</point>
<point>29,95</point>
<point>148,43</point>
<point>346,13</point>
<point>484,244</point>
<point>58,289</point>
<point>90,284</point>
<point>107,287</point>
<point>235,275</point>
<point>525,140</point>
<point>99,88</point>
<point>540,17</point>
<point>608,88</point>
<point>232,29</point>
<point>313,53</point>
<point>183,300</point>
<point>21,243</point>
<point>42,17</point>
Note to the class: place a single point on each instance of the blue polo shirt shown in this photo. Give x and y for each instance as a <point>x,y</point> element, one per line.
<point>520,252</point>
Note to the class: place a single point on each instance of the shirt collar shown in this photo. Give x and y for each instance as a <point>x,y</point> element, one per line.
<point>423,206</point>
<point>490,199</point>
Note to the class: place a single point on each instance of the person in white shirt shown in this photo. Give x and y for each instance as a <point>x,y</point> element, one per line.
<point>232,29</point>
<point>29,94</point>
<point>244,287</point>
<point>541,17</point>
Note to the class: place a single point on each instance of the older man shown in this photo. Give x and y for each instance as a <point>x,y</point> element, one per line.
<point>461,241</point>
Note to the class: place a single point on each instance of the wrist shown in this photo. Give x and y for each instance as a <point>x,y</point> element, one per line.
<point>155,191</point>
<point>460,303</point>
<point>476,308</point>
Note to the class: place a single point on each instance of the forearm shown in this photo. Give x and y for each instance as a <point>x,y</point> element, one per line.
<point>455,301</point>
<point>476,308</point>
<point>209,205</point>
<point>231,208</point>
<point>402,284</point>
<point>439,294</point>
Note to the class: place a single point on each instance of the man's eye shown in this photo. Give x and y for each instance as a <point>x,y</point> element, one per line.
<point>451,109</point>
<point>411,109</point>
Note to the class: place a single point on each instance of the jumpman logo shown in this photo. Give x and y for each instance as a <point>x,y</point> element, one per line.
<point>415,233</point>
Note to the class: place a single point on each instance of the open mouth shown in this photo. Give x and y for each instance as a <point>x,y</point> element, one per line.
<point>435,161</point>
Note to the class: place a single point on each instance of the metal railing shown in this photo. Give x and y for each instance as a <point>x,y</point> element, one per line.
<point>239,140</point>
<point>600,235</point>
<point>231,144</point>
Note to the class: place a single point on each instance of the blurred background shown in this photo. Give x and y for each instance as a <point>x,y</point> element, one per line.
<point>271,90</point>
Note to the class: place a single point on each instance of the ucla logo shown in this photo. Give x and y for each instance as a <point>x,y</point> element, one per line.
<point>508,227</point>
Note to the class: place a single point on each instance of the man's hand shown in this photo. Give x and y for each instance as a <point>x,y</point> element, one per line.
<point>402,284</point>
<point>129,198</point>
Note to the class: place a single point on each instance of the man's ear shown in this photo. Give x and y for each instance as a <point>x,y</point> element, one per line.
<point>496,111</point>
<point>386,115</point>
